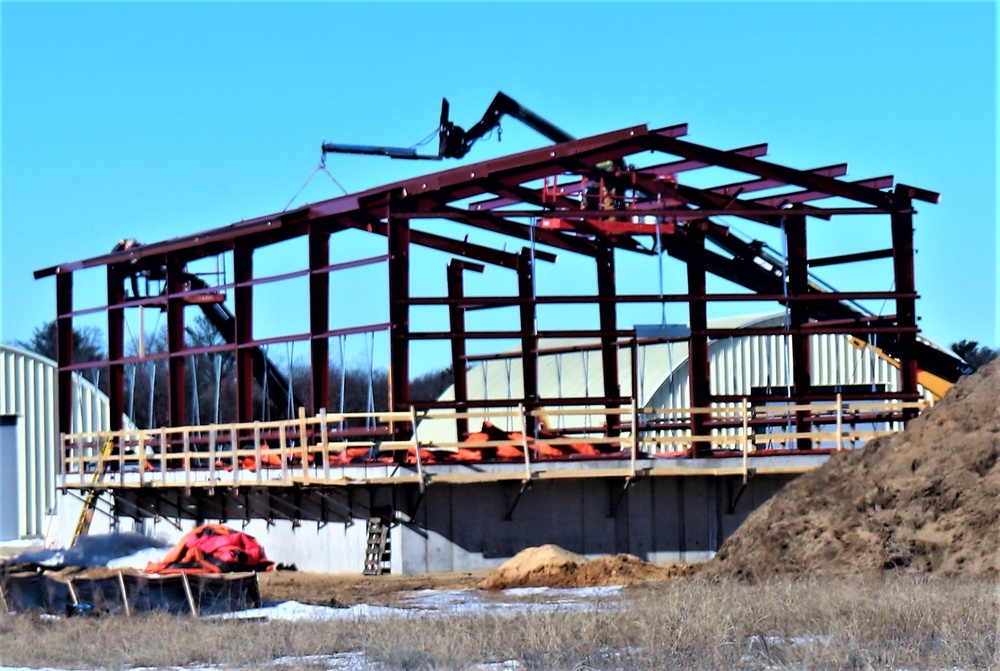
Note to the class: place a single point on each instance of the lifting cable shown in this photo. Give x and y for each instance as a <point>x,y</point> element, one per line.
<point>217,360</point>
<point>788,324</point>
<point>559,386</point>
<point>319,168</point>
<point>290,350</point>
<point>264,409</point>
<point>486,386</point>
<point>343,378</point>
<point>370,353</point>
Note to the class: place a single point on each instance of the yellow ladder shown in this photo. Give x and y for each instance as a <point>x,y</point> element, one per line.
<point>90,500</point>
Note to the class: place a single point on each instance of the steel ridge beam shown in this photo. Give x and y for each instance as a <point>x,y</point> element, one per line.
<point>459,182</point>
<point>464,182</point>
<point>766,169</point>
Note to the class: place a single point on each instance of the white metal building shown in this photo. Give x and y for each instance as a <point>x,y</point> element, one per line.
<point>739,365</point>
<point>28,437</point>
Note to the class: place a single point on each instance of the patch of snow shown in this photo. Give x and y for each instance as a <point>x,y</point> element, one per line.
<point>139,559</point>
<point>293,611</point>
<point>342,661</point>
<point>524,591</point>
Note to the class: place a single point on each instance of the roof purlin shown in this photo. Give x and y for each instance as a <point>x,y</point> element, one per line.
<point>766,169</point>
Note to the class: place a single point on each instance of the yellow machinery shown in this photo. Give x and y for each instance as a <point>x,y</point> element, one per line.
<point>90,500</point>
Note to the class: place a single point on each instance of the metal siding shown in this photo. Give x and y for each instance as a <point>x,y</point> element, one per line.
<point>28,389</point>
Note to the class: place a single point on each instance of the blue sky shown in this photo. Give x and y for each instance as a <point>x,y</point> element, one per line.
<point>158,120</point>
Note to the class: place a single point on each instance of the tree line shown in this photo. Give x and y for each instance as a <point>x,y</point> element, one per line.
<point>211,379</point>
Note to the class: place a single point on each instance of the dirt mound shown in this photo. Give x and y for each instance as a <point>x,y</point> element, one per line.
<point>926,499</point>
<point>552,566</point>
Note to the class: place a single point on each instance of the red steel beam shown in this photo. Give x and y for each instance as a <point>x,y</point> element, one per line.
<point>456,321</point>
<point>902,244</point>
<point>699,369</point>
<point>763,183</point>
<point>319,316</point>
<point>243,273</point>
<point>674,167</point>
<point>176,377</point>
<point>608,318</point>
<point>529,335</point>
<point>766,169</point>
<point>64,350</point>
<point>798,314</point>
<point>116,347</point>
<point>398,242</point>
<point>807,195</point>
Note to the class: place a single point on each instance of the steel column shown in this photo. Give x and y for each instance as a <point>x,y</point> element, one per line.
<point>64,350</point>
<point>906,312</point>
<point>176,387</point>
<point>116,346</point>
<point>529,337</point>
<point>798,313</point>
<point>319,317</point>
<point>398,237</point>
<point>605,258</point>
<point>456,321</point>
<point>243,274</point>
<point>698,361</point>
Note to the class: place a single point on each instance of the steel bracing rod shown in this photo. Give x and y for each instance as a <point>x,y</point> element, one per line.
<point>265,372</point>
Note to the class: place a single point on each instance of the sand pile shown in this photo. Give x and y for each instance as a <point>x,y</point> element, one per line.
<point>926,499</point>
<point>552,566</point>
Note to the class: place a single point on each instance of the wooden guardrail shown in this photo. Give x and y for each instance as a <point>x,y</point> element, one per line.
<point>310,450</point>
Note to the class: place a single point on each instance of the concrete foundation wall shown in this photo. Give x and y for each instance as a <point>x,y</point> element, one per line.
<point>682,519</point>
<point>462,527</point>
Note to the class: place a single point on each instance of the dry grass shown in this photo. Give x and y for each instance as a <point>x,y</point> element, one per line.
<point>891,624</point>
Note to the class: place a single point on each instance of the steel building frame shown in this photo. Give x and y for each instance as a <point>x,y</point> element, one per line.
<point>540,197</point>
